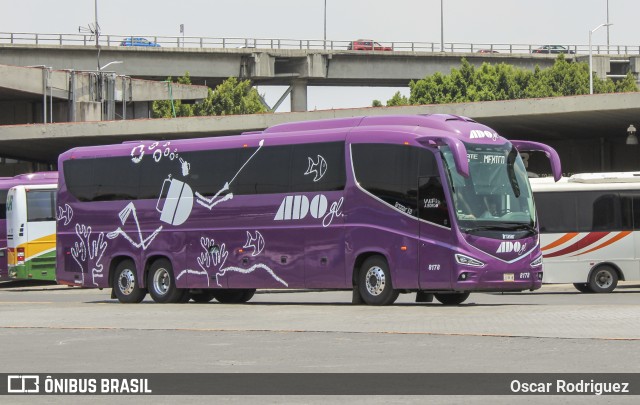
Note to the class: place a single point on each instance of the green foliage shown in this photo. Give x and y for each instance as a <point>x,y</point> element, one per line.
<point>506,82</point>
<point>397,99</point>
<point>376,103</point>
<point>172,108</point>
<point>230,97</point>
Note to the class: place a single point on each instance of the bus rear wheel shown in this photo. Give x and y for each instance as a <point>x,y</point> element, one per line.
<point>126,287</point>
<point>374,282</point>
<point>452,298</point>
<point>162,285</point>
<point>203,297</point>
<point>603,279</point>
<point>583,287</point>
<point>234,296</point>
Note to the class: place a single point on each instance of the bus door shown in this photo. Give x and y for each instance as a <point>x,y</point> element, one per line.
<point>436,237</point>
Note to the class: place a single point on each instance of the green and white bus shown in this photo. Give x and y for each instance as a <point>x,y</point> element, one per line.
<point>31,232</point>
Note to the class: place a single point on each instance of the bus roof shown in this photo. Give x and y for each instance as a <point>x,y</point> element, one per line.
<point>416,126</point>
<point>28,178</point>
<point>589,182</point>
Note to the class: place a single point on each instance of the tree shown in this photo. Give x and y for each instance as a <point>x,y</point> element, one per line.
<point>172,108</point>
<point>397,99</point>
<point>506,82</point>
<point>230,97</point>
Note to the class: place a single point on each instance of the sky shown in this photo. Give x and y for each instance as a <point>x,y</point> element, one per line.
<point>465,21</point>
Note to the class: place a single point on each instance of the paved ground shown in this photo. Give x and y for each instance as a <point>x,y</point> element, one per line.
<point>54,329</point>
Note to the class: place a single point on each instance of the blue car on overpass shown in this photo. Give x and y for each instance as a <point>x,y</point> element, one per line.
<point>138,41</point>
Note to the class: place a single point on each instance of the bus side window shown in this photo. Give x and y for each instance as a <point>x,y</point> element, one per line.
<point>598,212</point>
<point>318,167</point>
<point>557,212</point>
<point>266,172</point>
<point>626,212</point>
<point>389,172</point>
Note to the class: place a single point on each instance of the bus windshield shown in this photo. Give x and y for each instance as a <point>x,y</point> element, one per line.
<point>496,196</point>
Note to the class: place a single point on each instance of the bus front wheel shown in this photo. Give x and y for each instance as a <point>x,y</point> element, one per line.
<point>374,282</point>
<point>126,286</point>
<point>452,298</point>
<point>583,287</point>
<point>162,285</point>
<point>603,279</point>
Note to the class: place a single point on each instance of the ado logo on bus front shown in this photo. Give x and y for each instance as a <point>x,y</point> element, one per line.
<point>508,247</point>
<point>479,134</point>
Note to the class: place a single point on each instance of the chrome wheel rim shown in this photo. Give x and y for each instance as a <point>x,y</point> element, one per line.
<point>604,279</point>
<point>375,281</point>
<point>127,282</point>
<point>161,281</point>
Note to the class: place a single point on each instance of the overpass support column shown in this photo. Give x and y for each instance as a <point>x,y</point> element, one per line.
<point>298,95</point>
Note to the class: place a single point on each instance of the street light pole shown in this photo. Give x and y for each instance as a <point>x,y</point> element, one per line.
<point>591,56</point>
<point>442,25</point>
<point>325,23</point>
<point>115,62</point>
<point>608,26</point>
<point>97,31</point>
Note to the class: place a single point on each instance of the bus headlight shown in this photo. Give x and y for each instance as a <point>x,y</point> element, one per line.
<point>537,262</point>
<point>468,261</point>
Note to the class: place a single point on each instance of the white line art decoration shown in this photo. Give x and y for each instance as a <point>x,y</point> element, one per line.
<point>256,242</point>
<point>185,166</point>
<point>214,256</point>
<point>178,202</point>
<point>65,213</point>
<point>89,252</point>
<point>213,201</point>
<point>158,152</point>
<point>143,243</point>
<point>251,269</point>
<point>318,168</point>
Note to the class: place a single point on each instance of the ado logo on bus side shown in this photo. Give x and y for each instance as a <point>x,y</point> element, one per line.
<point>295,207</point>
<point>479,134</point>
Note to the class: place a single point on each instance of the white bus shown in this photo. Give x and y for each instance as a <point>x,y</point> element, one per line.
<point>590,229</point>
<point>31,232</point>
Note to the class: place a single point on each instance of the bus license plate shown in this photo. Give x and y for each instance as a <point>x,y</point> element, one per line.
<point>508,277</point>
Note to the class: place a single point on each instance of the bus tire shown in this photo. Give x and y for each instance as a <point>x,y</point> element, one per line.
<point>603,279</point>
<point>161,283</point>
<point>126,287</point>
<point>455,298</point>
<point>583,287</point>
<point>234,295</point>
<point>203,297</point>
<point>374,282</point>
<point>186,296</point>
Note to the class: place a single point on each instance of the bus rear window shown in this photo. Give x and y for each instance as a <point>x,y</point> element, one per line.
<point>41,205</point>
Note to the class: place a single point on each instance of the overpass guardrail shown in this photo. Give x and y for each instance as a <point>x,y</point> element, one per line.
<point>26,38</point>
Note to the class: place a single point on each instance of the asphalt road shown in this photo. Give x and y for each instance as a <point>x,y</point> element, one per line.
<point>53,329</point>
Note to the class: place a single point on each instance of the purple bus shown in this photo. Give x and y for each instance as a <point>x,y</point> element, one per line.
<point>5,184</point>
<point>439,205</point>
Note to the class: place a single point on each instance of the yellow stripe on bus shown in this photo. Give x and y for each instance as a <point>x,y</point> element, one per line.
<point>34,247</point>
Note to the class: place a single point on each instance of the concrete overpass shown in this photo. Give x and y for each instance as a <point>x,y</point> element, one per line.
<point>588,131</point>
<point>42,94</point>
<point>297,68</point>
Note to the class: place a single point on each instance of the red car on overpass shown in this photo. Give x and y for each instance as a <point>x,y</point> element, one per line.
<point>367,45</point>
